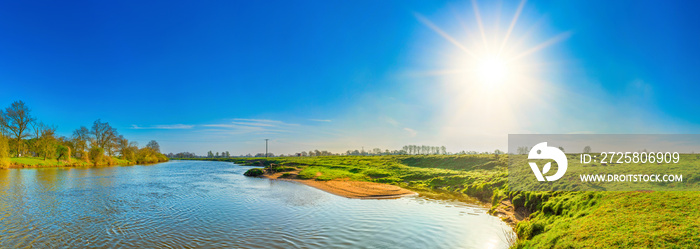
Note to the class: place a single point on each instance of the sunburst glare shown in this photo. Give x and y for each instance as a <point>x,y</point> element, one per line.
<point>492,70</point>
<point>490,74</point>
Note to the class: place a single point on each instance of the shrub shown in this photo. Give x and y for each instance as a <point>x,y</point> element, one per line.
<point>129,154</point>
<point>97,156</point>
<point>63,152</point>
<point>161,157</point>
<point>4,163</point>
<point>4,152</point>
<point>148,155</point>
<point>254,172</point>
<point>4,147</point>
<point>110,161</point>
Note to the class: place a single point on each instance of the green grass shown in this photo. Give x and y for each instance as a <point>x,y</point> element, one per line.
<point>328,173</point>
<point>561,219</point>
<point>34,162</point>
<point>614,220</point>
<point>39,161</point>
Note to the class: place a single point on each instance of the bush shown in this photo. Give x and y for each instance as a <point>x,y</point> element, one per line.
<point>63,152</point>
<point>110,160</point>
<point>4,152</point>
<point>4,147</point>
<point>97,156</point>
<point>254,172</point>
<point>129,154</point>
<point>148,155</point>
<point>4,163</point>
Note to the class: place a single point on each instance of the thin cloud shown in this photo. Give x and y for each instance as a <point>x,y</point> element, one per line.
<point>261,122</point>
<point>163,127</point>
<point>220,125</point>
<point>410,131</point>
<point>249,126</point>
<point>256,124</point>
<point>258,120</point>
<point>321,120</point>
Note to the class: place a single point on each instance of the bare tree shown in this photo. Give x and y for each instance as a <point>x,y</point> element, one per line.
<point>156,147</point>
<point>104,136</point>
<point>80,138</point>
<point>16,119</point>
<point>46,141</point>
<point>127,150</point>
<point>587,149</point>
<point>523,150</point>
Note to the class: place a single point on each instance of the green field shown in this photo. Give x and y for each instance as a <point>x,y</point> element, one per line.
<point>556,219</point>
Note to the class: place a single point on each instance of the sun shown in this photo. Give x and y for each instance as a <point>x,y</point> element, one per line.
<point>491,60</point>
<point>491,73</point>
<point>492,70</point>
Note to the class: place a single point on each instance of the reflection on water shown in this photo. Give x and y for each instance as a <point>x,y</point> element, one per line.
<point>211,204</point>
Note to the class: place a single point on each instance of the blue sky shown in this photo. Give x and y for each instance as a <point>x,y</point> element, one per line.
<point>339,75</point>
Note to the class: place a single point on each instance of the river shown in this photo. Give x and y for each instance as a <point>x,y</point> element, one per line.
<point>183,204</point>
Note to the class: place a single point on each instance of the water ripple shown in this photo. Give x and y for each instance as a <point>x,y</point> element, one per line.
<point>188,204</point>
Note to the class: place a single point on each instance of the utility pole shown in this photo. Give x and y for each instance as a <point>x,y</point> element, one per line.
<point>266,147</point>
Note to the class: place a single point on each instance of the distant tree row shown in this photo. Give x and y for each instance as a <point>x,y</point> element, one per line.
<point>182,155</point>
<point>21,135</point>
<point>425,150</point>
<point>224,154</point>
<point>407,150</point>
<point>374,152</point>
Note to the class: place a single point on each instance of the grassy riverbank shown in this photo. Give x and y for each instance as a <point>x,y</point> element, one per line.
<point>38,162</point>
<point>541,219</point>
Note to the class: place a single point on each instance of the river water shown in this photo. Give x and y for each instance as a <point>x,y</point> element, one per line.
<point>184,204</point>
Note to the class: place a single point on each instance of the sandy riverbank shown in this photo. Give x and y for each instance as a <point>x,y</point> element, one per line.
<point>347,188</point>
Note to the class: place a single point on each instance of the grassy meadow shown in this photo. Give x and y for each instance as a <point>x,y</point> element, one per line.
<point>559,219</point>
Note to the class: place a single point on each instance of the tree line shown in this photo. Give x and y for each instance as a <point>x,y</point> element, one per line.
<point>406,150</point>
<point>21,135</point>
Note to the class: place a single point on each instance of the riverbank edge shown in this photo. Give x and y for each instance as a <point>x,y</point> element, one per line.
<point>503,208</point>
<point>14,165</point>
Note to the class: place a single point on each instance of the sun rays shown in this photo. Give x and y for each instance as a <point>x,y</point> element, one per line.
<point>488,62</point>
<point>494,79</point>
